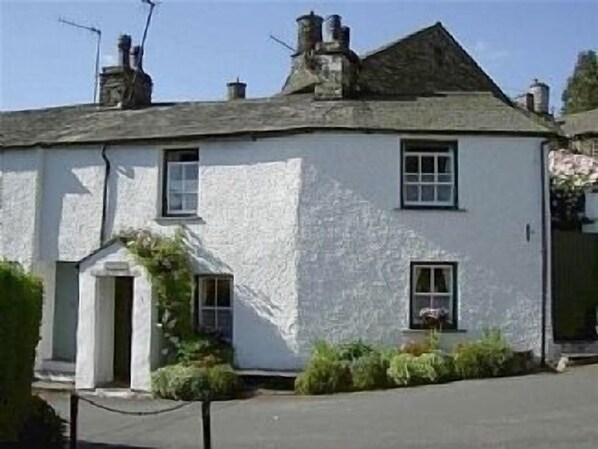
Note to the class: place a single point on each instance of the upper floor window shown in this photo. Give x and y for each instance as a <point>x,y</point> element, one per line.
<point>429,174</point>
<point>180,187</point>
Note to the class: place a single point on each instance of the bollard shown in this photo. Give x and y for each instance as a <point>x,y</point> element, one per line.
<point>205,419</point>
<point>74,414</point>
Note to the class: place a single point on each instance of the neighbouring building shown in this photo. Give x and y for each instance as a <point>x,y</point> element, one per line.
<point>370,187</point>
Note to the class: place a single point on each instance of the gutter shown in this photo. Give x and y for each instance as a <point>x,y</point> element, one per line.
<point>545,273</point>
<point>107,168</point>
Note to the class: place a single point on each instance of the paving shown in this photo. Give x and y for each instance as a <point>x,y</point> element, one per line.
<point>544,410</point>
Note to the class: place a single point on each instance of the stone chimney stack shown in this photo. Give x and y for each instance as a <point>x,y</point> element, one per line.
<point>236,90</point>
<point>526,101</point>
<point>126,85</point>
<point>541,95</point>
<point>309,32</point>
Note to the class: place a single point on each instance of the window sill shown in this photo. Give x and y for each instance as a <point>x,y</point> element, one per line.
<point>168,220</point>
<point>443,331</point>
<point>429,209</point>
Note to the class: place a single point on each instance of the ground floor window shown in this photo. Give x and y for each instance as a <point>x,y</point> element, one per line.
<point>214,305</point>
<point>433,294</point>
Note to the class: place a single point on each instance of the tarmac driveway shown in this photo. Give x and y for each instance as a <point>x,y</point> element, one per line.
<point>536,411</point>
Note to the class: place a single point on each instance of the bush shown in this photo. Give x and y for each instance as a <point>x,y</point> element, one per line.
<point>42,427</point>
<point>324,376</point>
<point>369,372</point>
<point>191,382</point>
<point>489,357</point>
<point>21,297</point>
<point>417,348</point>
<point>204,350</point>
<point>354,350</point>
<point>408,369</point>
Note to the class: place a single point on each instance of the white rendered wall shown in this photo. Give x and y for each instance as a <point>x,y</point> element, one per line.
<point>310,219</point>
<point>355,245</point>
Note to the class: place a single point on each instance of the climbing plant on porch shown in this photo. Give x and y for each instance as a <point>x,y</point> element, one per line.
<point>168,264</point>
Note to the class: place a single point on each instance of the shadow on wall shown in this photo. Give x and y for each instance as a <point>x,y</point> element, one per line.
<point>264,333</point>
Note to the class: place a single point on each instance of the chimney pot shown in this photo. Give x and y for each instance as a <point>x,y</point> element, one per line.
<point>137,58</point>
<point>541,95</point>
<point>345,37</point>
<point>124,48</point>
<point>309,32</point>
<point>236,90</point>
<point>334,27</point>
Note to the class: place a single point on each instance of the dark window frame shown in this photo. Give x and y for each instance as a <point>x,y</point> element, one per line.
<point>197,307</point>
<point>455,292</point>
<point>165,161</point>
<point>423,145</point>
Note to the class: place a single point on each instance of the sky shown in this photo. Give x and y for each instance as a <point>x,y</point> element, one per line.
<point>194,48</point>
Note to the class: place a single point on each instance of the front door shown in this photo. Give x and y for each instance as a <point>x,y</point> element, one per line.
<point>123,309</point>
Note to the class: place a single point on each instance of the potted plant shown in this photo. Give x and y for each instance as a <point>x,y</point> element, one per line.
<point>434,318</point>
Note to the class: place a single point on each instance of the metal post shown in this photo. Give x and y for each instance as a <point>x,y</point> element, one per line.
<point>205,419</point>
<point>74,414</point>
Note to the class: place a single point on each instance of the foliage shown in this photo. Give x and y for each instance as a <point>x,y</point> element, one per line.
<point>419,347</point>
<point>570,176</point>
<point>204,350</point>
<point>408,369</point>
<point>490,356</point>
<point>324,376</point>
<point>192,382</point>
<point>42,427</point>
<point>168,265</point>
<point>581,92</point>
<point>21,297</point>
<point>354,350</point>
<point>369,372</point>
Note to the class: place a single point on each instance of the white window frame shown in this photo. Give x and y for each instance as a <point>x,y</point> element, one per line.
<point>215,308</point>
<point>168,210</point>
<point>414,318</point>
<point>419,150</point>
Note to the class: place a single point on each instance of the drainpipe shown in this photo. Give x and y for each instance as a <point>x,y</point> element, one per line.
<point>104,195</point>
<point>545,273</point>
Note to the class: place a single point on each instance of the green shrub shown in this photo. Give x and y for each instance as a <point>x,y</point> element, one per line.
<point>354,350</point>
<point>369,372</point>
<point>408,369</point>
<point>42,427</point>
<point>192,382</point>
<point>324,376</point>
<point>419,347</point>
<point>204,350</point>
<point>21,297</point>
<point>490,356</point>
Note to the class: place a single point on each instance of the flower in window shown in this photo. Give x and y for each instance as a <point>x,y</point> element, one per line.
<point>434,318</point>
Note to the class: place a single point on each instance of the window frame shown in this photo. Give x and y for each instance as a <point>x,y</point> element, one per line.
<point>199,308</point>
<point>421,147</point>
<point>454,292</point>
<point>166,212</point>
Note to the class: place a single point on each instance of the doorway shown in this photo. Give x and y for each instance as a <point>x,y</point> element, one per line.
<point>123,316</point>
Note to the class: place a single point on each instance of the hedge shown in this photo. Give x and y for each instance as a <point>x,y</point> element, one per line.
<point>21,297</point>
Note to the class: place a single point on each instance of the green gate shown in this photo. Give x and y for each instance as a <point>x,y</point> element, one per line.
<point>574,285</point>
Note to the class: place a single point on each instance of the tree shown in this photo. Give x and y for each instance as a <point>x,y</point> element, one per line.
<point>581,93</point>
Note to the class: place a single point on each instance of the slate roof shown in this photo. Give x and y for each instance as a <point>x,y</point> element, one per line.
<point>582,123</point>
<point>443,113</point>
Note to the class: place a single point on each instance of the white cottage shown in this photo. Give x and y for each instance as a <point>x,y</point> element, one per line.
<point>371,187</point>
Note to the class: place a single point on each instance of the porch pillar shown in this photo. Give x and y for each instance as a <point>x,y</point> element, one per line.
<point>141,341</point>
<point>89,287</point>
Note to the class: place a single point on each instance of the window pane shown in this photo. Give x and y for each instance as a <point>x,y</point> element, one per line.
<point>190,186</point>
<point>190,202</point>
<point>223,299</point>
<point>208,319</point>
<point>444,165</point>
<point>181,155</point>
<point>422,280</point>
<point>175,171</point>
<point>412,178</point>
<point>209,292</point>
<point>190,171</point>
<point>428,178</point>
<point>447,177</point>
<point>411,164</point>
<point>225,323</point>
<point>175,201</point>
<point>442,280</point>
<point>428,164</point>
<point>441,302</point>
<point>444,193</point>
<point>175,186</point>
<point>411,193</point>
<point>428,193</point>
<point>420,302</point>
